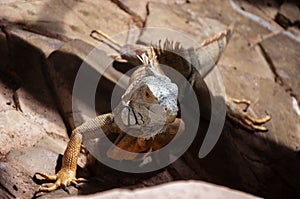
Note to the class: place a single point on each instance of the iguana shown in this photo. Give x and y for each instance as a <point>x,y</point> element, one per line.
<point>147,113</point>
<point>187,61</point>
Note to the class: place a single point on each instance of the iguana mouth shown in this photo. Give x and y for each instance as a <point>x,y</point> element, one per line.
<point>146,122</point>
<point>150,117</point>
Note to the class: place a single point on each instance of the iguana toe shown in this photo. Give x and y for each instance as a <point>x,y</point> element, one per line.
<point>242,117</point>
<point>63,179</point>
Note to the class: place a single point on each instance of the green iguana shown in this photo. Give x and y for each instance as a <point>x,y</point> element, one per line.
<point>147,113</point>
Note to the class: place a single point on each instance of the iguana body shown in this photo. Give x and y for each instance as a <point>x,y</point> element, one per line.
<point>146,115</point>
<point>144,112</point>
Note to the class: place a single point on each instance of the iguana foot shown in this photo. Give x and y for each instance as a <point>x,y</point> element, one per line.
<point>63,179</point>
<point>242,117</point>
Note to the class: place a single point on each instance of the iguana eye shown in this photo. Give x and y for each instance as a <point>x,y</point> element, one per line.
<point>147,95</point>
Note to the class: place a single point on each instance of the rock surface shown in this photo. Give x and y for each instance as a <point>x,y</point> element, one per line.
<point>44,43</point>
<point>181,189</point>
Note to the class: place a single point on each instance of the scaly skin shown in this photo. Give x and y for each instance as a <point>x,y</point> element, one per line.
<point>67,175</point>
<point>144,106</point>
<point>135,112</point>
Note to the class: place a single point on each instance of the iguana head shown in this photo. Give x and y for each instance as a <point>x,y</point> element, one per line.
<point>150,102</point>
<point>155,100</point>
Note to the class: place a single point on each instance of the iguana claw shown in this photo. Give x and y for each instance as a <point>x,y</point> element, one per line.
<point>63,179</point>
<point>242,117</point>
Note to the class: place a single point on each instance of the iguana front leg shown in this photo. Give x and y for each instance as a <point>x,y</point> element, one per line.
<point>67,174</point>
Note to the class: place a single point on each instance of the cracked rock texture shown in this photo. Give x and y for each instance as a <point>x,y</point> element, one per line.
<point>43,44</point>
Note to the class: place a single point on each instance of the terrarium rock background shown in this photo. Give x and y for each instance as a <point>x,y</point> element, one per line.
<point>42,44</point>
